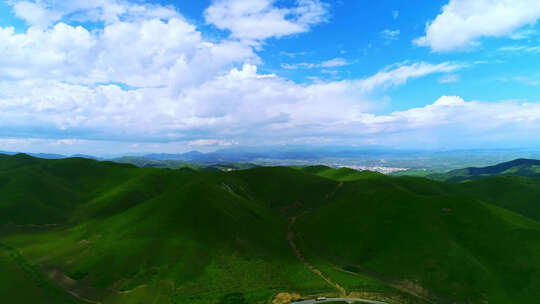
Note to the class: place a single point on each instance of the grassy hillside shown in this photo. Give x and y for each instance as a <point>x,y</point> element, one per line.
<point>520,167</point>
<point>154,234</point>
<point>78,230</point>
<point>342,174</point>
<point>515,193</point>
<point>22,283</point>
<point>443,247</point>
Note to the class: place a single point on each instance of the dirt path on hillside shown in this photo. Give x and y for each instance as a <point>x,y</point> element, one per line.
<point>301,258</point>
<point>55,280</point>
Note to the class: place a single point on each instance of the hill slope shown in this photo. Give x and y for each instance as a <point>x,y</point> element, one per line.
<point>341,174</point>
<point>445,247</point>
<point>521,167</point>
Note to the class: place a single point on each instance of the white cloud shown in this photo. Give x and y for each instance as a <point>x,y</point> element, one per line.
<point>239,105</point>
<point>293,54</point>
<point>332,63</point>
<point>261,19</point>
<point>390,35</point>
<point>211,142</point>
<point>462,22</point>
<point>43,13</point>
<point>401,73</point>
<point>57,82</point>
<point>244,107</point>
<point>395,14</point>
<point>520,48</point>
<point>527,80</point>
<point>35,14</point>
<point>147,53</point>
<point>452,122</point>
<point>449,78</point>
<point>524,34</point>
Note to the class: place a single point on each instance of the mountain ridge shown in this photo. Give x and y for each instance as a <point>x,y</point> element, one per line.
<point>520,166</point>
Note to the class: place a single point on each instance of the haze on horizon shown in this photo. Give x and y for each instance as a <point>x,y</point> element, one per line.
<point>115,76</point>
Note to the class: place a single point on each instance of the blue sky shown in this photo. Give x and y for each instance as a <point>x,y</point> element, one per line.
<point>171,76</point>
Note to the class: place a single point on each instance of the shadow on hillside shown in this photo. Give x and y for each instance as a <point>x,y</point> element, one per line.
<point>233,298</point>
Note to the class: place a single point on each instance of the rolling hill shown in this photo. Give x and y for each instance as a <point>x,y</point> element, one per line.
<point>341,174</point>
<point>145,162</point>
<point>521,167</point>
<point>81,231</point>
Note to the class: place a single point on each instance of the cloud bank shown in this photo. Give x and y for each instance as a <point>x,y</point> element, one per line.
<point>147,78</point>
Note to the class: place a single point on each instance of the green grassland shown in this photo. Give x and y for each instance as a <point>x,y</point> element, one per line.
<point>81,231</point>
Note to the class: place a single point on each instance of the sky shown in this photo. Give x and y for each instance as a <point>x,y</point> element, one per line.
<point>118,76</point>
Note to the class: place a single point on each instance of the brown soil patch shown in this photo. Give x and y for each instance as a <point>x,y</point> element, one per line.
<point>285,298</point>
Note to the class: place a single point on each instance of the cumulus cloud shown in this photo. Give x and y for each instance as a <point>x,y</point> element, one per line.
<point>150,52</point>
<point>261,19</point>
<point>35,14</point>
<point>462,22</point>
<point>239,104</point>
<point>453,122</point>
<point>244,107</point>
<point>148,79</point>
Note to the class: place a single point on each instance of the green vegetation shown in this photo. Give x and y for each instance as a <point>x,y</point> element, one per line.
<point>441,246</point>
<point>32,286</point>
<point>79,231</point>
<point>342,174</point>
<point>415,172</point>
<point>520,167</point>
<point>144,162</point>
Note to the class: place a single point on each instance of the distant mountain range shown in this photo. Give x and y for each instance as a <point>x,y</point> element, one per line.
<point>432,161</point>
<point>39,155</point>
<point>179,163</point>
<point>250,153</point>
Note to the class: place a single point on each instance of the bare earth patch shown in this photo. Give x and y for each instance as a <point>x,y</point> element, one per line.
<point>285,298</point>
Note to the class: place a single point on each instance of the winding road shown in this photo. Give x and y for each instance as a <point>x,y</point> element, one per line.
<point>348,300</point>
<point>301,258</point>
<point>298,254</point>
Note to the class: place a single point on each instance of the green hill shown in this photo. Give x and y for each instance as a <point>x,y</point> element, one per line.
<point>81,231</point>
<point>521,167</point>
<point>444,247</point>
<point>516,193</point>
<point>342,174</point>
